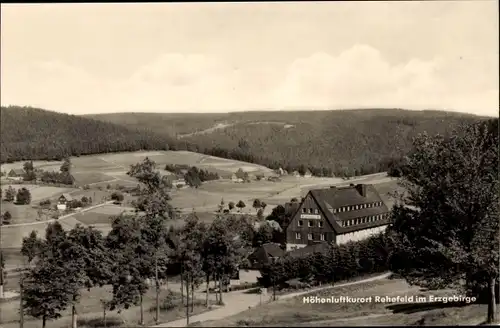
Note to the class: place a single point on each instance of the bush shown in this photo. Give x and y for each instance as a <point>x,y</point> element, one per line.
<point>339,263</point>
<point>6,218</point>
<point>117,196</point>
<point>23,196</point>
<point>45,203</point>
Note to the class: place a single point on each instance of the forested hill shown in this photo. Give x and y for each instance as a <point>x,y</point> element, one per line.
<point>340,142</point>
<point>31,133</point>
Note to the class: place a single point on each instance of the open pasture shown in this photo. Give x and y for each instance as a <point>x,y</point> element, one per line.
<point>22,213</point>
<point>12,236</point>
<point>100,215</point>
<point>84,178</point>
<point>38,192</point>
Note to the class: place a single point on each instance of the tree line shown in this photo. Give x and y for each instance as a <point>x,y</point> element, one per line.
<point>334,263</point>
<point>362,142</point>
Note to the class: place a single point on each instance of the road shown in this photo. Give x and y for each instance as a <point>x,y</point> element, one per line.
<point>60,218</point>
<point>239,301</point>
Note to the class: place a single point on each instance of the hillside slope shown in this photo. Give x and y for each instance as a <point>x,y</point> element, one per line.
<point>343,141</point>
<point>31,133</point>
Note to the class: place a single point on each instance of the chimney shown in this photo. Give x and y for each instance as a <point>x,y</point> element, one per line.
<point>361,189</point>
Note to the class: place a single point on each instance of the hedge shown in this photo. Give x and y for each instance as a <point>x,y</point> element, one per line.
<point>339,263</point>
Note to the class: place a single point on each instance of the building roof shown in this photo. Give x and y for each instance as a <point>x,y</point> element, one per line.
<point>264,252</point>
<point>322,248</point>
<point>16,171</point>
<point>67,196</point>
<point>336,197</point>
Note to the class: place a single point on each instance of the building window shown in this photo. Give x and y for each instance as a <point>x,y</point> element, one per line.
<point>316,211</point>
<point>297,235</point>
<point>334,210</point>
<point>320,224</point>
<point>300,223</point>
<point>303,210</point>
<point>322,236</point>
<point>310,210</point>
<point>310,236</point>
<point>310,224</point>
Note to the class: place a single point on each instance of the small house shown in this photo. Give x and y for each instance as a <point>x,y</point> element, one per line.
<point>308,174</point>
<point>179,183</point>
<point>296,173</point>
<point>265,254</point>
<point>63,201</point>
<point>16,174</point>
<point>235,178</point>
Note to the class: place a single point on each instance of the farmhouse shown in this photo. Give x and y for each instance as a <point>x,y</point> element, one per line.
<point>63,201</point>
<point>235,178</point>
<point>265,254</point>
<point>15,174</point>
<point>337,215</point>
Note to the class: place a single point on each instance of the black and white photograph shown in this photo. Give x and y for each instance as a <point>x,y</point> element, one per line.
<point>249,164</point>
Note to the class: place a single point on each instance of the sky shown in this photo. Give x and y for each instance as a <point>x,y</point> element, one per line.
<point>219,57</point>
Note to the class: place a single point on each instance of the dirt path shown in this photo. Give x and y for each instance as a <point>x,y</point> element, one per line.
<point>59,219</point>
<point>239,301</point>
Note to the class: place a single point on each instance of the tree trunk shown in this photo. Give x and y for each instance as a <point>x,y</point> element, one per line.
<point>142,311</point>
<point>74,316</point>
<point>21,310</point>
<point>187,301</point>
<point>192,295</point>
<point>274,291</point>
<point>44,321</point>
<point>491,301</point>
<point>104,315</point>
<point>182,286</point>
<point>215,289</point>
<point>206,292</point>
<point>157,319</point>
<point>220,289</point>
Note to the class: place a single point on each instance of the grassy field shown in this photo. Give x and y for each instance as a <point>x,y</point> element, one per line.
<point>90,311</point>
<point>39,193</point>
<point>295,312</point>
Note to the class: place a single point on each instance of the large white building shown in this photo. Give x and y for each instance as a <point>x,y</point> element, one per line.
<point>337,215</point>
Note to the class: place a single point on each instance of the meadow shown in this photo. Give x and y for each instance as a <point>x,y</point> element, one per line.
<point>294,312</point>
<point>90,313</point>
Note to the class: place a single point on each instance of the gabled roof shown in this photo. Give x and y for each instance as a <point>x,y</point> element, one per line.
<point>336,197</point>
<point>322,248</point>
<point>67,196</point>
<point>264,252</point>
<point>16,171</point>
